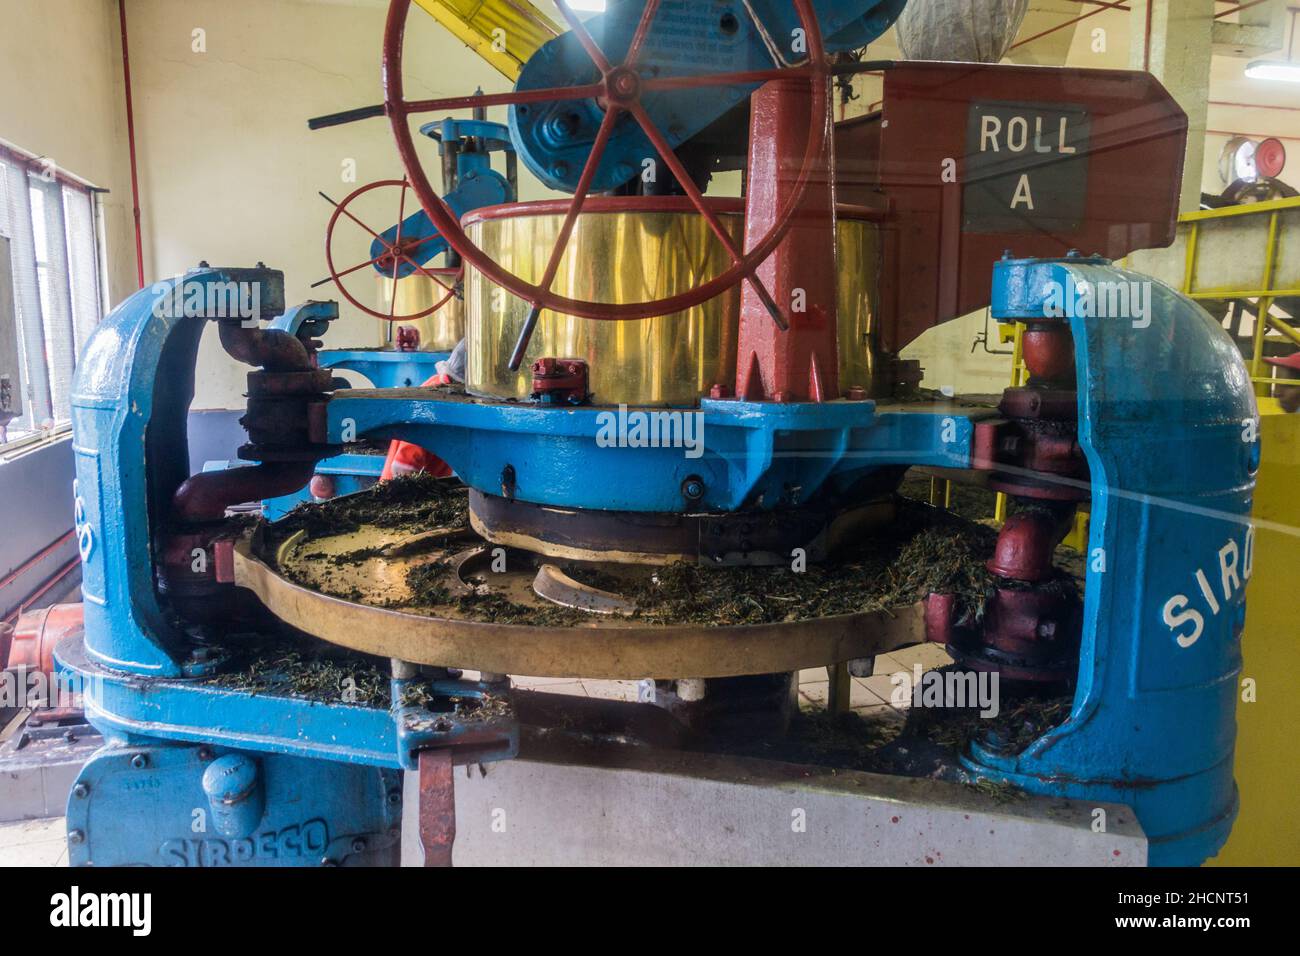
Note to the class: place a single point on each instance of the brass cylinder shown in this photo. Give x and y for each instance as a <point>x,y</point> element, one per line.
<point>631,251</point>
<point>440,331</point>
<point>858,304</point>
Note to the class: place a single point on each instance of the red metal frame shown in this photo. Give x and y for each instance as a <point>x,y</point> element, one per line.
<point>801,364</point>
<point>395,252</point>
<point>721,206</point>
<point>933,268</point>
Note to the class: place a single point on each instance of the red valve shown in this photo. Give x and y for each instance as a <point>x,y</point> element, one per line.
<point>395,253</point>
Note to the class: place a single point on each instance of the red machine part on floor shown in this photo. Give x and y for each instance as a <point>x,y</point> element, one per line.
<point>31,650</point>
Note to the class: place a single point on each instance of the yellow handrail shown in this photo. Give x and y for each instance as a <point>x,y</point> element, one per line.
<point>1265,294</point>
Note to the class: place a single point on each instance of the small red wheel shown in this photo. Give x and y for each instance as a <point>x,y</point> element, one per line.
<point>395,253</point>
<point>619,91</point>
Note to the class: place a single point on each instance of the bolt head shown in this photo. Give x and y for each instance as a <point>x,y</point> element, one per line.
<point>80,791</point>
<point>76,837</point>
<point>139,761</point>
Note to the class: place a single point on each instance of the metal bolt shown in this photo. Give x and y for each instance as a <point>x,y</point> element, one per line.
<point>394,797</point>
<point>139,761</point>
<point>693,488</point>
<point>76,837</point>
<point>80,791</point>
<point>358,845</point>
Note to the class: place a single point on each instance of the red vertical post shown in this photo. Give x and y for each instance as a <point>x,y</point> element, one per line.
<point>802,363</point>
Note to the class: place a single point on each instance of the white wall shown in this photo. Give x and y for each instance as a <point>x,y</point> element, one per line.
<point>227,164</point>
<point>61,98</point>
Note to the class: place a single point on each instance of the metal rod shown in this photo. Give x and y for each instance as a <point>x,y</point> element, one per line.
<point>130,143</point>
<point>525,336</point>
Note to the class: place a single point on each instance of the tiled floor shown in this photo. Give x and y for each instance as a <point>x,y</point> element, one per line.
<point>33,843</point>
<point>869,694</point>
<point>41,842</point>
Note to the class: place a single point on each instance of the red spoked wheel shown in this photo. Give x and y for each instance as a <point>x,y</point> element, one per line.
<point>387,262</point>
<point>619,91</point>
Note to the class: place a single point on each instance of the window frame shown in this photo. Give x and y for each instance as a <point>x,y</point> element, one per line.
<point>65,288</point>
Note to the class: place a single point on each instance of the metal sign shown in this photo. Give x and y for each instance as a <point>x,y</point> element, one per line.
<point>1026,167</point>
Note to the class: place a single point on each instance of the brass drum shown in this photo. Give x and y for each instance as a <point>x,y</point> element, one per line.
<point>632,250</point>
<point>440,331</point>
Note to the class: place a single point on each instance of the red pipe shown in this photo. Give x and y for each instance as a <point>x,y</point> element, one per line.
<point>272,349</point>
<point>1146,40</point>
<point>130,141</point>
<point>1238,8</point>
<point>58,576</point>
<point>1224,132</point>
<point>1255,106</point>
<point>1102,7</point>
<point>206,497</point>
<point>22,568</point>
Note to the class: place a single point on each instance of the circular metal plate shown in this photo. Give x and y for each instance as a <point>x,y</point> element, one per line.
<point>610,647</point>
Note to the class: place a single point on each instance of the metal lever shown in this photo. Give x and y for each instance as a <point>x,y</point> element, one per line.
<point>347,116</point>
<point>525,336</point>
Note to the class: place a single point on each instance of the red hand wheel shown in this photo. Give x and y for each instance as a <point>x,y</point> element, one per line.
<point>619,90</point>
<point>399,251</point>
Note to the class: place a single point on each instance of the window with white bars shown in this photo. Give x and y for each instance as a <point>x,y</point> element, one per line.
<point>48,247</point>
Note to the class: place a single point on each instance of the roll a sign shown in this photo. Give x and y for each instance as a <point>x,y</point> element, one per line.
<point>1026,166</point>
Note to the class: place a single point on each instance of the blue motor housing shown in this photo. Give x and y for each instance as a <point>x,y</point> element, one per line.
<point>688,38</point>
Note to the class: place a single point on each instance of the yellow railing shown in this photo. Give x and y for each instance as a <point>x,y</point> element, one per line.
<point>1266,293</point>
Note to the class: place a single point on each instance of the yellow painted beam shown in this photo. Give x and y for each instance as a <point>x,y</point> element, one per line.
<point>505,33</point>
<point>1267,772</point>
<point>1247,209</point>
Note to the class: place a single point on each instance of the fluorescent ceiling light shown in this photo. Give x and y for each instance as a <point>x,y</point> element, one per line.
<point>587,6</point>
<point>1285,70</point>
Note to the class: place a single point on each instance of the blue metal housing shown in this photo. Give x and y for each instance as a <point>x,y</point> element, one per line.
<point>292,812</point>
<point>750,454</point>
<point>477,185</point>
<point>321,775</point>
<point>555,138</point>
<point>1168,423</point>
